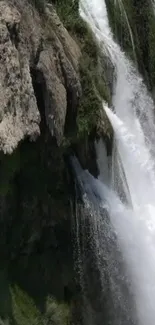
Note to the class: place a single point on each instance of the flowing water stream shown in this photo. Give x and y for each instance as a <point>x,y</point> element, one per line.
<point>124,245</point>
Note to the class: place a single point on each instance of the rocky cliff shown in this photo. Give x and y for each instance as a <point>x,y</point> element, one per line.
<point>35,52</point>
<point>49,106</point>
<point>52,82</point>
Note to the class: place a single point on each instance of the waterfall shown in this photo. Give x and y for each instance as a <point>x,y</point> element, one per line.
<point>122,218</point>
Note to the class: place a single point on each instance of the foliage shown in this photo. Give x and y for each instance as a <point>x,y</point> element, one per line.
<point>89,104</point>
<point>25,312</point>
<point>5,322</point>
<point>68,13</point>
<point>93,84</point>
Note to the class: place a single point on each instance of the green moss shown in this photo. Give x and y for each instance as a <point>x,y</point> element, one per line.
<point>24,310</point>
<point>90,103</point>
<point>68,13</point>
<point>93,84</point>
<point>94,87</point>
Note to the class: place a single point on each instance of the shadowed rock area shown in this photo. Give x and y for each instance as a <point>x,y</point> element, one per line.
<point>51,84</point>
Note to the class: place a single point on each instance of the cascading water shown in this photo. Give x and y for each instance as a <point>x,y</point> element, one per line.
<point>123,11</point>
<point>127,247</point>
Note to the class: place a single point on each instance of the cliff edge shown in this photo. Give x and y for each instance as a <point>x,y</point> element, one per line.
<point>35,49</point>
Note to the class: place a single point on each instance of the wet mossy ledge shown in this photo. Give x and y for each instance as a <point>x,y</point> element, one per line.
<point>133,26</point>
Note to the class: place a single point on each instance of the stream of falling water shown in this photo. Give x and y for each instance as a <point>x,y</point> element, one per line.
<point>123,11</point>
<point>133,219</point>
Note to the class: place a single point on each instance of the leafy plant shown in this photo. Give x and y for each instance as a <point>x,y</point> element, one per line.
<point>25,311</point>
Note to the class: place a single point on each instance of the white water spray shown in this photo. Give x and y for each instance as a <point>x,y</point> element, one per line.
<point>133,124</point>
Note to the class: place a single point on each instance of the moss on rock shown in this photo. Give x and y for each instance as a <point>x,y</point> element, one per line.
<point>25,311</point>
<point>93,83</point>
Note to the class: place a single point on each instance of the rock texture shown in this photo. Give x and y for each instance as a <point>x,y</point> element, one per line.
<point>58,70</point>
<point>19,115</point>
<point>44,50</point>
<point>39,91</point>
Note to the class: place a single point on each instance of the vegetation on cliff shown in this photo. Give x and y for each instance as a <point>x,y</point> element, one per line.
<point>93,81</point>
<point>25,311</point>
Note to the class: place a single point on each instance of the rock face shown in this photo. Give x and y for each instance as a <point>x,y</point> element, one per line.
<point>44,50</point>
<point>19,115</point>
<point>57,67</point>
<point>39,93</point>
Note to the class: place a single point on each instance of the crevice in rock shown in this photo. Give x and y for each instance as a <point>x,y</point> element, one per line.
<point>71,115</point>
<point>14,34</point>
<point>39,87</point>
<point>72,103</point>
<point>85,151</point>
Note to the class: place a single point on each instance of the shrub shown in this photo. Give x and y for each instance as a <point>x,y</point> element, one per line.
<point>24,310</point>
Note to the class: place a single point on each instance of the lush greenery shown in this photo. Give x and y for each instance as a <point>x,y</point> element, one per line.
<point>94,86</point>
<point>93,82</point>
<point>25,312</point>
